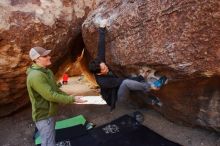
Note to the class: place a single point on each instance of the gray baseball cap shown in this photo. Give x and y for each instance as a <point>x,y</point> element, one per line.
<point>36,52</point>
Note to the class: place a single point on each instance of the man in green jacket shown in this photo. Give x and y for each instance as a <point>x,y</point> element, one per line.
<point>45,94</point>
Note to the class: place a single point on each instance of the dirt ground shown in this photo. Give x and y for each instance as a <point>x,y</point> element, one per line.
<point>17,129</point>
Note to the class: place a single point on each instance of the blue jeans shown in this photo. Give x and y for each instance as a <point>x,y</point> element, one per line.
<point>131,85</point>
<point>46,129</point>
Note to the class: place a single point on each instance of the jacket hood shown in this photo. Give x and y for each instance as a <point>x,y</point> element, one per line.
<point>35,67</point>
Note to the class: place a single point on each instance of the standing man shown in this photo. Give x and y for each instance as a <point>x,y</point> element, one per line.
<point>114,88</point>
<point>44,94</point>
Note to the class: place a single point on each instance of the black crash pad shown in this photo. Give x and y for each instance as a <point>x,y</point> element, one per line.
<point>124,131</point>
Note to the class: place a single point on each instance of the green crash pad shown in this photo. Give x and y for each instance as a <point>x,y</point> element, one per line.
<point>65,124</point>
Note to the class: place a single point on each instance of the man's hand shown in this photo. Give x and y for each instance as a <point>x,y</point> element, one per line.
<point>103,23</point>
<point>78,99</point>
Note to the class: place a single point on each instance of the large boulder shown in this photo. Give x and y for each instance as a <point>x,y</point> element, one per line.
<point>28,23</point>
<point>177,38</point>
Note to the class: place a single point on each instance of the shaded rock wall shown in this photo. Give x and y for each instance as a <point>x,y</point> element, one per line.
<point>28,23</point>
<point>177,38</point>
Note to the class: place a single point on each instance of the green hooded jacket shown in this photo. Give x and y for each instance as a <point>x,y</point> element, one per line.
<point>44,93</point>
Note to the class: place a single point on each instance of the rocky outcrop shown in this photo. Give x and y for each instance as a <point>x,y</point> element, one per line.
<point>24,24</point>
<point>177,38</point>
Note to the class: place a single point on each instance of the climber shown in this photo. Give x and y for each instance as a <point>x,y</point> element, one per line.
<point>114,88</point>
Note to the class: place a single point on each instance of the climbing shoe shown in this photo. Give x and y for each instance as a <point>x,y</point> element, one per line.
<point>159,83</point>
<point>155,101</point>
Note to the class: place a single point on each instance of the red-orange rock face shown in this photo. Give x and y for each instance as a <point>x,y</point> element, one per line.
<point>179,39</point>
<point>28,23</point>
